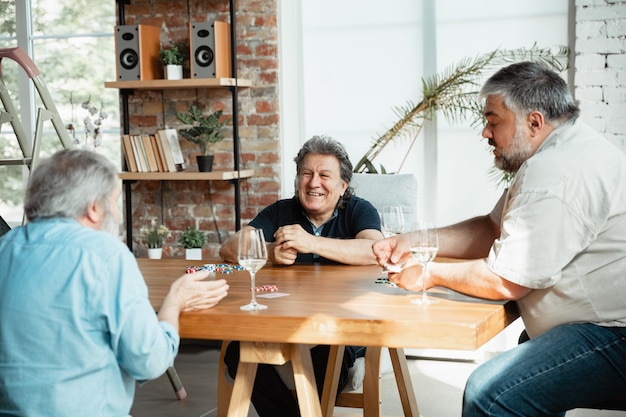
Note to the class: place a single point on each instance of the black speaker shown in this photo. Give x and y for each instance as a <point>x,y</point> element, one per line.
<point>137,48</point>
<point>209,44</point>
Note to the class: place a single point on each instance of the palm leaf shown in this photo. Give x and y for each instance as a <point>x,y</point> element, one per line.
<point>454,92</point>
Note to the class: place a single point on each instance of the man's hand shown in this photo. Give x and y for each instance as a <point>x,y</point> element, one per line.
<point>191,292</point>
<point>196,293</point>
<point>409,278</point>
<point>295,237</point>
<point>282,255</point>
<point>392,250</point>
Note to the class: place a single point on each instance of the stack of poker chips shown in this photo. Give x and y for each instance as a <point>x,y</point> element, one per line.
<point>221,268</point>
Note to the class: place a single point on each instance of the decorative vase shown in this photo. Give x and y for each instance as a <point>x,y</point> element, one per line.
<point>174,72</point>
<point>155,253</point>
<point>193,254</point>
<point>205,163</point>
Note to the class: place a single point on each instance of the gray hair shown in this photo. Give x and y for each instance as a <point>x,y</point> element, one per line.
<point>325,145</point>
<point>529,86</point>
<point>66,183</point>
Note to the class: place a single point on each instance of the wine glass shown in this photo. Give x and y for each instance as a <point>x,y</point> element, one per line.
<point>252,255</point>
<point>424,244</point>
<point>392,220</point>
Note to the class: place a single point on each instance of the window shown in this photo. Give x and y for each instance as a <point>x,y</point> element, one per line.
<point>72,44</point>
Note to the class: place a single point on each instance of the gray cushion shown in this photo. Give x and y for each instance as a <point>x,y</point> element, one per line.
<point>389,189</point>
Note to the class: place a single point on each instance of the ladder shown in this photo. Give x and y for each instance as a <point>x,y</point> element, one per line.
<point>30,149</point>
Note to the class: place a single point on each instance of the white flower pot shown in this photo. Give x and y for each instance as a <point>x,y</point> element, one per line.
<point>194,254</point>
<point>155,253</point>
<point>174,72</point>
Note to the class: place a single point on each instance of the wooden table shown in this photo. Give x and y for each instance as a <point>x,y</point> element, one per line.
<point>327,304</point>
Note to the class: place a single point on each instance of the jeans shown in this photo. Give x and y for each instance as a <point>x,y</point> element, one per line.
<point>570,366</point>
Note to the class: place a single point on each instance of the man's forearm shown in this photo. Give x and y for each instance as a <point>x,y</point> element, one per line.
<point>470,239</point>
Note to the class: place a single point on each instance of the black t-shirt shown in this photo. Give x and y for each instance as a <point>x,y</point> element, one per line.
<point>358,215</point>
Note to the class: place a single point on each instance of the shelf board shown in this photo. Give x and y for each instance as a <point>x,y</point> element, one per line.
<point>184,83</point>
<point>187,175</point>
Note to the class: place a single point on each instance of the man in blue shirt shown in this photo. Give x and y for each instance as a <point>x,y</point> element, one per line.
<point>307,228</point>
<point>77,327</point>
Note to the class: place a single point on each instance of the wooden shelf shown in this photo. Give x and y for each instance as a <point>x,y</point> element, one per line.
<point>184,83</point>
<point>187,175</point>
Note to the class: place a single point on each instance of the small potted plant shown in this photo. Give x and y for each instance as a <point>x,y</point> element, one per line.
<point>154,236</point>
<point>192,240</point>
<point>173,58</point>
<point>205,131</point>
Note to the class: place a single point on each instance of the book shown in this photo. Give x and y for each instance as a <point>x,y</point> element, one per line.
<point>153,165</point>
<point>177,153</point>
<point>140,155</point>
<point>131,162</point>
<point>167,150</point>
<point>159,153</point>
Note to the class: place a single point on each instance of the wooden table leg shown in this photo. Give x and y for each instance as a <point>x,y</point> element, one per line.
<point>331,379</point>
<point>242,389</point>
<point>403,380</point>
<point>304,377</point>
<point>253,353</point>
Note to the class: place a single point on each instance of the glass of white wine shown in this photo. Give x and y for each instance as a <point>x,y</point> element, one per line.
<point>252,255</point>
<point>424,244</point>
<point>392,222</point>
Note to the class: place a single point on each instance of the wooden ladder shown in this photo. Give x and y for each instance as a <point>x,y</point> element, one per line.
<point>30,148</point>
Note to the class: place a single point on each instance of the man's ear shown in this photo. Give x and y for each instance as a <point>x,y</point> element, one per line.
<point>536,122</point>
<point>95,213</point>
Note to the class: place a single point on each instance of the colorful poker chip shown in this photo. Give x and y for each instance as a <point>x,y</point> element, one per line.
<point>268,288</point>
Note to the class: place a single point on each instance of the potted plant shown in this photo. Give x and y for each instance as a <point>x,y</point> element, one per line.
<point>154,236</point>
<point>192,240</point>
<point>173,58</point>
<point>205,131</point>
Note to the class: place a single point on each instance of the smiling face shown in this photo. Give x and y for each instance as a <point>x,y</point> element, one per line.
<point>320,186</point>
<point>508,136</point>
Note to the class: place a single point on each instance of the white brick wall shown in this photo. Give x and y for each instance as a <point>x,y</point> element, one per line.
<point>600,61</point>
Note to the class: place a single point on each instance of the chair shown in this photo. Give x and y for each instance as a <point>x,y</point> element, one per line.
<point>384,189</point>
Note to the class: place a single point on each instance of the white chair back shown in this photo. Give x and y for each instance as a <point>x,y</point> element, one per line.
<point>388,189</point>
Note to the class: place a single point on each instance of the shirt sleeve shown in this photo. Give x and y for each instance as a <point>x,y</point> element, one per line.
<point>540,234</point>
<point>143,346</point>
<point>267,219</point>
<point>363,216</point>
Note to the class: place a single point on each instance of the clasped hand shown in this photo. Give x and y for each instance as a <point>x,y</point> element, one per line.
<point>291,240</point>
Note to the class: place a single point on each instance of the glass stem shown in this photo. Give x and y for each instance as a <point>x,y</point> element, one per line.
<point>424,295</point>
<point>252,288</point>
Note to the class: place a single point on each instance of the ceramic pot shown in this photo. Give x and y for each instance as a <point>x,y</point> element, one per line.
<point>174,72</point>
<point>155,253</point>
<point>194,254</point>
<point>205,163</point>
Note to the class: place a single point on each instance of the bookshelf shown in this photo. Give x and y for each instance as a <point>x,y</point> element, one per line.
<point>232,84</point>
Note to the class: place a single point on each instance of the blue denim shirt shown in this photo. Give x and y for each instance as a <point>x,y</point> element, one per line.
<point>77,328</point>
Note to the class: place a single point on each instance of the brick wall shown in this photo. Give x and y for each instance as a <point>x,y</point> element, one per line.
<point>210,205</point>
<point>600,61</point>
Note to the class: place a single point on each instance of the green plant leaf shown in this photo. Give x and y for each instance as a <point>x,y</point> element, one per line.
<point>454,92</point>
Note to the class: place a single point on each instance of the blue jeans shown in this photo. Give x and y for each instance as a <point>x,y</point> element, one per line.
<point>570,366</point>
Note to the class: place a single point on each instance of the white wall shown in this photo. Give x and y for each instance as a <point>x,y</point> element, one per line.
<point>358,59</point>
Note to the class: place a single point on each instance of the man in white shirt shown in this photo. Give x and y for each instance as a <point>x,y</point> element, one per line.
<point>556,244</point>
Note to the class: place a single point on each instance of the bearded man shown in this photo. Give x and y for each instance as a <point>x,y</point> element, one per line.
<point>555,243</point>
<point>77,327</point>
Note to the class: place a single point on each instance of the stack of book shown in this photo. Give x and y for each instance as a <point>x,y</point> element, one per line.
<point>153,153</point>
